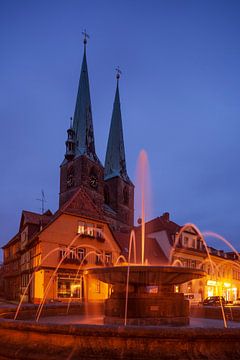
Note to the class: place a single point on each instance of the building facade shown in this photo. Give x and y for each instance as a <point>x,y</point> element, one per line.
<point>50,255</point>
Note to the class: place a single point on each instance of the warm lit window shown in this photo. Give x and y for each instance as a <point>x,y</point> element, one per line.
<point>90,230</point>
<point>81,227</point>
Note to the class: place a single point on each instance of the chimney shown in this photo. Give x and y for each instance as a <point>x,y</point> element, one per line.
<point>165,216</point>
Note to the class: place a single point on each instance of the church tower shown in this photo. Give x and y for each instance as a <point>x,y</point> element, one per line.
<point>118,189</point>
<point>81,166</point>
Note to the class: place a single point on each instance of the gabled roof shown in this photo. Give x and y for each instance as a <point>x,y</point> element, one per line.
<point>81,204</point>
<point>153,252</point>
<point>14,239</point>
<point>29,217</point>
<point>162,223</point>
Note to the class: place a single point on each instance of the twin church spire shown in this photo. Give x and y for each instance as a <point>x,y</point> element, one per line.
<point>81,134</point>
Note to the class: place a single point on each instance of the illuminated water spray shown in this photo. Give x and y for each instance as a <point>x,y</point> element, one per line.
<point>143,198</point>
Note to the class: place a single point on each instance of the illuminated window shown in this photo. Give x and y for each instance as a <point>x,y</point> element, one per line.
<point>90,230</point>
<point>68,286</point>
<point>185,241</point>
<point>81,228</point>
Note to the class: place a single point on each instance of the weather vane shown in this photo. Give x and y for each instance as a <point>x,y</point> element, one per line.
<point>71,122</point>
<point>86,36</point>
<point>119,73</point>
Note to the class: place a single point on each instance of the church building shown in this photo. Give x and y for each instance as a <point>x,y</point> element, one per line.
<point>48,255</point>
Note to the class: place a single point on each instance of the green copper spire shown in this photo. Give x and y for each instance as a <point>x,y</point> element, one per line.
<point>115,163</point>
<point>82,120</point>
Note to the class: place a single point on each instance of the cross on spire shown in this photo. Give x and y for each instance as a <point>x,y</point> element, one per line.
<point>119,73</point>
<point>86,36</point>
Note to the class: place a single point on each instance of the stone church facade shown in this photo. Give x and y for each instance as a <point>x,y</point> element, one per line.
<point>48,255</point>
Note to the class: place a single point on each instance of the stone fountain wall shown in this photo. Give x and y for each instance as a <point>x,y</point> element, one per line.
<point>30,341</point>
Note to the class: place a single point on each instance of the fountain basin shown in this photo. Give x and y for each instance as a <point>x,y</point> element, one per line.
<point>151,299</point>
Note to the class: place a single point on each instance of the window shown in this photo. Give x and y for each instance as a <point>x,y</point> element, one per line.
<point>62,252</point>
<point>125,196</point>
<point>106,195</point>
<point>81,228</point>
<point>108,258</point>
<point>193,243</point>
<point>69,286</point>
<point>199,244</point>
<point>81,254</point>
<point>99,232</point>
<point>99,259</point>
<point>90,230</point>
<point>185,241</point>
<point>72,253</point>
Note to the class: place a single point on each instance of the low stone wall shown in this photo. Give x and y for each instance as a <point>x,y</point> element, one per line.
<point>215,312</point>
<point>28,312</point>
<point>31,341</point>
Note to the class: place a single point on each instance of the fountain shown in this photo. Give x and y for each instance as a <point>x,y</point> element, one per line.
<point>144,294</point>
<point>151,296</point>
<point>141,294</point>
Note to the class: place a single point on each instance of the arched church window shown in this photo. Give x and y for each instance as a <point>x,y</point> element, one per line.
<point>70,176</point>
<point>106,195</point>
<point>125,196</point>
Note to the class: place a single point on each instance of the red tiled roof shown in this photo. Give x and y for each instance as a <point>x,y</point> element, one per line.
<point>153,252</point>
<point>123,240</point>
<point>14,239</point>
<point>29,217</point>
<point>81,204</point>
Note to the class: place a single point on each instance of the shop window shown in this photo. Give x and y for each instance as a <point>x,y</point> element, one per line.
<point>69,287</point>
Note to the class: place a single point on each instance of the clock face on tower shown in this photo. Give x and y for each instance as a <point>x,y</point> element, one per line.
<point>93,181</point>
<point>70,177</point>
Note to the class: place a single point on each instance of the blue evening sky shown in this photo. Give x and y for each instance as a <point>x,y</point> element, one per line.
<point>180,98</point>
